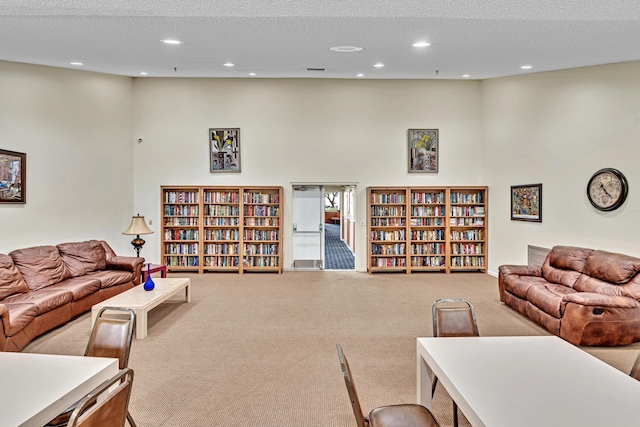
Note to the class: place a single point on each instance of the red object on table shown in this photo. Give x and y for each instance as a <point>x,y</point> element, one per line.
<point>153,268</point>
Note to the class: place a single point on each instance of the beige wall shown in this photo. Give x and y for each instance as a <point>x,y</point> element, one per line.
<point>76,130</point>
<point>343,131</point>
<point>558,128</point>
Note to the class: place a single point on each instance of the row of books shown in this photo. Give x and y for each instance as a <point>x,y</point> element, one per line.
<point>259,210</point>
<point>181,197</point>
<point>467,235</point>
<point>469,221</point>
<point>387,222</point>
<point>387,198</point>
<point>221,261</point>
<point>428,210</point>
<point>428,249</point>
<point>427,222</point>
<point>221,249</point>
<point>221,221</point>
<point>181,210</point>
<point>179,234</point>
<point>173,221</point>
<point>394,249</point>
<point>388,262</point>
<point>260,261</point>
<point>221,197</point>
<point>221,210</point>
<point>262,222</point>
<point>388,211</point>
<point>261,198</point>
<point>388,235</point>
<point>181,261</point>
<point>467,197</point>
<point>427,197</point>
<point>467,261</point>
<point>261,235</point>
<point>467,211</point>
<point>181,248</point>
<point>467,248</point>
<point>428,261</point>
<point>222,234</point>
<point>261,249</point>
<point>437,234</point>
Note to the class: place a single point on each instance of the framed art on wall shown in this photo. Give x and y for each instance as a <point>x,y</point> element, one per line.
<point>423,150</point>
<point>13,172</point>
<point>224,150</point>
<point>526,202</point>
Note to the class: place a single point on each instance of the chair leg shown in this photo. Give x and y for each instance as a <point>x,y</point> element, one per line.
<point>455,414</point>
<point>433,385</point>
<point>130,419</point>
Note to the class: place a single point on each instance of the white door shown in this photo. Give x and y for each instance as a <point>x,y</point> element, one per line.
<point>308,230</point>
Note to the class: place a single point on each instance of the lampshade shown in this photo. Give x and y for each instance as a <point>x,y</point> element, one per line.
<point>138,226</point>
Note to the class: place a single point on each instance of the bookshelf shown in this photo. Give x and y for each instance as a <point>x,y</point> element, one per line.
<point>414,229</point>
<point>219,228</point>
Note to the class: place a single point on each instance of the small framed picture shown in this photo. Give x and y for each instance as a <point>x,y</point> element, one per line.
<point>423,150</point>
<point>526,202</point>
<point>224,150</point>
<point>13,174</point>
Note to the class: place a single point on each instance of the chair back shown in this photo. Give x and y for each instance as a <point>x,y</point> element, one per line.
<point>635,370</point>
<point>454,317</point>
<point>109,411</point>
<point>111,336</point>
<point>351,388</point>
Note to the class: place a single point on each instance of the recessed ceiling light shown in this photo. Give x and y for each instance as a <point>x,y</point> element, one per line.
<point>143,73</point>
<point>378,65</point>
<point>466,76</point>
<point>252,74</point>
<point>76,63</point>
<point>345,49</point>
<point>527,67</point>
<point>359,75</point>
<point>421,44</point>
<point>229,64</point>
<point>171,41</point>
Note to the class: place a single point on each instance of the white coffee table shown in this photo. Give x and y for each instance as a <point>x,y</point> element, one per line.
<point>526,382</point>
<point>141,301</point>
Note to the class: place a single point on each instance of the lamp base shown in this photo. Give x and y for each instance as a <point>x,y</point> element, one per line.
<point>137,244</point>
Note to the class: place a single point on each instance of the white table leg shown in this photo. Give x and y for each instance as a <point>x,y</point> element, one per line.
<point>141,324</point>
<point>424,381</point>
<point>187,293</point>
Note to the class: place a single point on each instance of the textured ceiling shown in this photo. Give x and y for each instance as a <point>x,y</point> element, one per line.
<point>281,38</point>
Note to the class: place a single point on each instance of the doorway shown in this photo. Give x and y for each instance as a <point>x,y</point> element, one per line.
<point>324,224</point>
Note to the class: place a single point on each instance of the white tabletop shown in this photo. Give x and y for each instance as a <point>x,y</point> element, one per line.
<point>527,381</point>
<point>34,388</point>
<point>138,298</point>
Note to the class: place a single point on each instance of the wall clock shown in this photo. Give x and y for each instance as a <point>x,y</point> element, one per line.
<point>607,189</point>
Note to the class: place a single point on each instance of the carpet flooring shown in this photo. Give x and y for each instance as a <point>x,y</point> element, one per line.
<point>260,349</point>
<point>337,255</point>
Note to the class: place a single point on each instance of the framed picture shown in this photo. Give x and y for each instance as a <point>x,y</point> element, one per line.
<point>13,173</point>
<point>224,150</point>
<point>423,150</point>
<point>526,202</point>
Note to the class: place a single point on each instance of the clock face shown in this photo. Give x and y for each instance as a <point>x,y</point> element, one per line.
<point>607,189</point>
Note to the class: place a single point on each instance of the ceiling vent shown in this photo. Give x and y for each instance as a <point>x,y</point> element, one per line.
<point>315,69</point>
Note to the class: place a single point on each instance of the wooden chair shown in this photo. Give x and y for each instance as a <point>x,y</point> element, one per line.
<point>384,416</point>
<point>110,337</point>
<point>104,407</point>
<point>453,317</point>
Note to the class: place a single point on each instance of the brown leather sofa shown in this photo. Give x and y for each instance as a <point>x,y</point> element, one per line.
<point>585,296</point>
<point>44,287</point>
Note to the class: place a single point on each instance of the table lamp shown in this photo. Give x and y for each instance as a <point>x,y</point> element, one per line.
<point>137,227</point>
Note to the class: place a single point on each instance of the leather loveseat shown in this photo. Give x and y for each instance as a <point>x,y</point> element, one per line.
<point>44,287</point>
<point>585,296</point>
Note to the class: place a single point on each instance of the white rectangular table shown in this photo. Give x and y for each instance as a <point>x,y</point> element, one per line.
<point>34,388</point>
<point>527,381</point>
<point>141,301</point>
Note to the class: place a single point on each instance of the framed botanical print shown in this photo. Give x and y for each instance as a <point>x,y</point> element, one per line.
<point>423,150</point>
<point>13,174</point>
<point>224,150</point>
<point>526,202</point>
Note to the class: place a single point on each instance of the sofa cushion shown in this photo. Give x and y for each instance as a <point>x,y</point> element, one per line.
<point>564,264</point>
<point>44,300</point>
<point>83,257</point>
<point>612,268</point>
<point>549,298</point>
<point>11,281</point>
<point>519,285</point>
<point>109,278</point>
<point>20,315</point>
<point>80,287</point>
<point>40,266</point>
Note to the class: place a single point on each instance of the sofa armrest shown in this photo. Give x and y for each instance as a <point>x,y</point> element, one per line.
<point>601,300</point>
<point>520,270</point>
<point>126,263</point>
<point>4,325</point>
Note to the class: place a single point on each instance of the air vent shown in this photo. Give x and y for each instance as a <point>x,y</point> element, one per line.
<point>315,69</point>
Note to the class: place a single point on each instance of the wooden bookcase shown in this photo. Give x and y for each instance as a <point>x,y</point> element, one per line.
<point>219,228</point>
<point>414,229</point>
